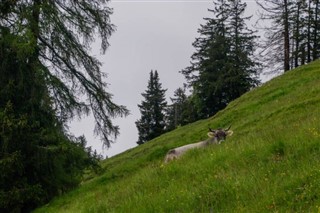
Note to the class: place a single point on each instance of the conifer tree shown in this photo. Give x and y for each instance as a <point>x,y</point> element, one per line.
<point>316,31</point>
<point>152,109</point>
<point>175,111</point>
<point>181,111</point>
<point>244,69</point>
<point>277,44</point>
<point>47,78</point>
<point>222,67</point>
<point>292,39</point>
<point>59,35</point>
<point>38,160</point>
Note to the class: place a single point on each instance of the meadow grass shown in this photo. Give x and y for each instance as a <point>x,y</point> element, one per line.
<point>270,164</point>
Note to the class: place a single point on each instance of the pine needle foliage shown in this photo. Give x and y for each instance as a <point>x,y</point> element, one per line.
<point>38,159</point>
<point>152,109</point>
<point>47,78</point>
<point>223,67</point>
<point>59,35</point>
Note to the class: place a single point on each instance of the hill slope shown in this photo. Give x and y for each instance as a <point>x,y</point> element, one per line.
<point>270,163</point>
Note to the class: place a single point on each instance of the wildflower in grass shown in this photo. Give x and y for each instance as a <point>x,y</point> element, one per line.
<point>314,132</point>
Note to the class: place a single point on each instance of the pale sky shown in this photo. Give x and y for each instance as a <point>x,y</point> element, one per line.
<point>150,35</point>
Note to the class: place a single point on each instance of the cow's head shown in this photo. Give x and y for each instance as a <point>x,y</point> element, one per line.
<point>220,134</point>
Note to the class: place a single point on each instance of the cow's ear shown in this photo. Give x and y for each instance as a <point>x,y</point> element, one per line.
<point>229,132</point>
<point>211,134</point>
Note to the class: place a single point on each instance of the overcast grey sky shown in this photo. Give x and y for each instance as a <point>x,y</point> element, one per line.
<point>150,35</point>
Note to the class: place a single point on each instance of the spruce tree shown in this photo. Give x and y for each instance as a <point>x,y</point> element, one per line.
<point>243,68</point>
<point>174,112</point>
<point>222,67</point>
<point>181,111</point>
<point>152,109</point>
<point>207,68</point>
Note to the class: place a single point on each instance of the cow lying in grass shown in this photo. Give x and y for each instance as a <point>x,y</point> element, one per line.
<point>215,137</point>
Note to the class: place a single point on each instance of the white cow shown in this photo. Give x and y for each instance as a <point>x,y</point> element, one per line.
<point>215,137</point>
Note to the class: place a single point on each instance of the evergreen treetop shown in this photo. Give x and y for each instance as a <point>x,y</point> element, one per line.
<point>222,68</point>
<point>152,121</point>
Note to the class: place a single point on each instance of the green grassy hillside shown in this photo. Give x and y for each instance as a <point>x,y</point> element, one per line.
<point>270,164</point>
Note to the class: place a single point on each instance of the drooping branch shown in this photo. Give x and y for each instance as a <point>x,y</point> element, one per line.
<point>100,102</point>
<point>60,34</point>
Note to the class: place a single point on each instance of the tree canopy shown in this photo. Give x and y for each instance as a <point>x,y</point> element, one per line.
<point>152,109</point>
<point>292,37</point>
<point>38,159</point>
<point>222,68</point>
<point>57,35</point>
<point>47,78</point>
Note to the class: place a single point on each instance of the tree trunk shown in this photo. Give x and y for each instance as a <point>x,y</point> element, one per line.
<point>309,33</point>
<point>297,37</point>
<point>286,38</point>
<point>316,46</point>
